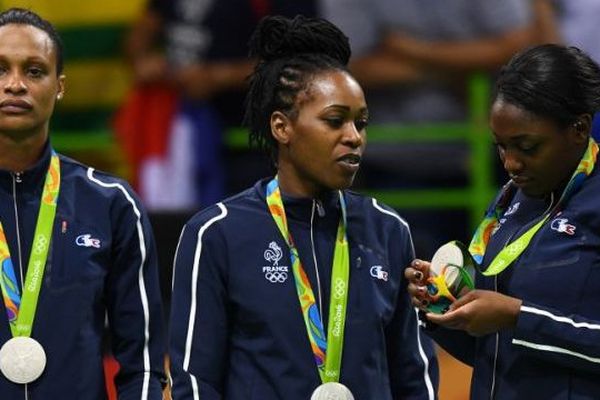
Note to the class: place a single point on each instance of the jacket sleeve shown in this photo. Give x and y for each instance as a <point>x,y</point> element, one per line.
<point>568,340</point>
<point>412,361</point>
<point>133,300</point>
<point>457,343</point>
<point>198,322</point>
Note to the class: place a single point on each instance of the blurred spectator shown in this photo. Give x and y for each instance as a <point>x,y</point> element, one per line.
<point>578,26</point>
<point>414,55</point>
<point>198,49</point>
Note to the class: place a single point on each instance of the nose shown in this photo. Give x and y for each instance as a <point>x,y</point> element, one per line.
<point>353,137</point>
<point>14,83</point>
<point>512,163</point>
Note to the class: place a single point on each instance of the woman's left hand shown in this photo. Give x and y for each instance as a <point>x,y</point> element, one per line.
<point>480,312</point>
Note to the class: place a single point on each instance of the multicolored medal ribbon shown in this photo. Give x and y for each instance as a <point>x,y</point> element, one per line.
<point>327,352</point>
<point>513,250</point>
<point>21,309</point>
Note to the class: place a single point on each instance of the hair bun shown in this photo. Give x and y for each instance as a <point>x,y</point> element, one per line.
<point>278,37</point>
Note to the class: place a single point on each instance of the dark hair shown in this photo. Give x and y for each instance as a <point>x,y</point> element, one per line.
<point>26,17</point>
<point>551,81</point>
<point>290,52</point>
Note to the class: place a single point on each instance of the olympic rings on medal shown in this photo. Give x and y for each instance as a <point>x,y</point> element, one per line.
<point>276,277</point>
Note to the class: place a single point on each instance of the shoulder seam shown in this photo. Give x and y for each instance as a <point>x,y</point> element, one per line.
<point>393,214</point>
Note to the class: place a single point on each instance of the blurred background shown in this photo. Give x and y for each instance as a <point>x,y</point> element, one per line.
<point>155,89</point>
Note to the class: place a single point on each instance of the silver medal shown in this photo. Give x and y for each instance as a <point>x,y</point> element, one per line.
<point>22,359</point>
<point>332,391</point>
<point>453,261</point>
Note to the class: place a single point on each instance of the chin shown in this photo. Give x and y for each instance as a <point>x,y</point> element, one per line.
<point>344,184</point>
<point>535,192</point>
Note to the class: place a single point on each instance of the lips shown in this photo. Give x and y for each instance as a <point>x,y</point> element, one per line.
<point>350,162</point>
<point>15,106</point>
<point>350,158</point>
<point>520,180</point>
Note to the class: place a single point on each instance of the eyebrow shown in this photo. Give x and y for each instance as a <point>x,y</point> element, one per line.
<point>519,136</point>
<point>27,59</point>
<point>364,110</point>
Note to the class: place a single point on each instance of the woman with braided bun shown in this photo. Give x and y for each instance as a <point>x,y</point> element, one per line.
<point>294,288</point>
<point>531,329</point>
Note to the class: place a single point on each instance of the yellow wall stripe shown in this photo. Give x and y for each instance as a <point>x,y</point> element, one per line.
<point>95,84</point>
<point>81,12</point>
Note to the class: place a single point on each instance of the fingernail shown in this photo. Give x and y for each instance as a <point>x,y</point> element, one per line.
<point>416,263</point>
<point>418,275</point>
<point>421,289</point>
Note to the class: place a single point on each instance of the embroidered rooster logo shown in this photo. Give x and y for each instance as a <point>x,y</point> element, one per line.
<point>273,253</point>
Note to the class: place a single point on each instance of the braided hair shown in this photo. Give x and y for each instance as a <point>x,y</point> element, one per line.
<point>290,53</point>
<point>551,81</point>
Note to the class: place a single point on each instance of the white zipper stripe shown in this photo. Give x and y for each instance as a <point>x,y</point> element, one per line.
<point>493,387</point>
<point>18,230</point>
<point>557,318</point>
<point>141,283</point>
<point>194,283</point>
<point>314,255</point>
<point>555,349</point>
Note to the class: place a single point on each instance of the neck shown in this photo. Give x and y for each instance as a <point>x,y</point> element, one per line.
<point>293,185</point>
<point>18,155</point>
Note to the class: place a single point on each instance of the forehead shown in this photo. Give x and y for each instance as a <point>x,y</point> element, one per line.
<point>22,42</point>
<point>508,120</point>
<point>335,87</point>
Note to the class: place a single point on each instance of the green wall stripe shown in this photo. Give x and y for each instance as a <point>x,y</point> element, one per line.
<point>92,119</point>
<point>93,42</point>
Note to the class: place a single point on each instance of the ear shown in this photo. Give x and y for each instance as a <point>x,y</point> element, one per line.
<point>281,128</point>
<point>61,87</point>
<point>582,127</point>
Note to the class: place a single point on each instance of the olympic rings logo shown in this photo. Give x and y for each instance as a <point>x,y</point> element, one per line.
<point>276,277</point>
<point>339,288</point>
<point>41,244</point>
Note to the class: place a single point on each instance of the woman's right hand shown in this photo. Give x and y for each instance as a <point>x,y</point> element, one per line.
<point>417,275</point>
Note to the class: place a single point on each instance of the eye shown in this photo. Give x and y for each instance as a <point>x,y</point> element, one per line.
<point>361,124</point>
<point>528,148</point>
<point>35,72</point>
<point>334,122</point>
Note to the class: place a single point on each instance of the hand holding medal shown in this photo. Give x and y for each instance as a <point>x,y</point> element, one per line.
<point>451,275</point>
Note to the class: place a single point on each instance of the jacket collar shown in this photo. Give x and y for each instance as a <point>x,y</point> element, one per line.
<point>32,178</point>
<point>300,209</point>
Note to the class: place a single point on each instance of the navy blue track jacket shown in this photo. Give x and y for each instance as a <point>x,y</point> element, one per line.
<point>237,332</point>
<point>101,265</point>
<point>554,351</point>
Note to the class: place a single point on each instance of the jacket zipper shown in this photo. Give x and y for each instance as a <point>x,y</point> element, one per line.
<point>493,387</point>
<point>17,178</point>
<point>316,206</point>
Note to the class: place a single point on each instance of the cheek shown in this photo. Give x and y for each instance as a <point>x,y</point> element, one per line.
<point>552,169</point>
